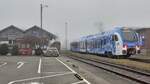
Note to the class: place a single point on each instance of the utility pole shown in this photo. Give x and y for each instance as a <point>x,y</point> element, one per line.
<point>41,21</point>
<point>42,39</point>
<point>66,35</point>
<point>41,8</point>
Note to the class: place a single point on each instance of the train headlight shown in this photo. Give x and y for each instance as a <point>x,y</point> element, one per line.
<point>125,47</point>
<point>137,47</point>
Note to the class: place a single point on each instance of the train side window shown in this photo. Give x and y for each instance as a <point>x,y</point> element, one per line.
<point>93,43</point>
<point>96,43</point>
<point>101,43</point>
<point>83,44</point>
<point>90,44</point>
<point>114,38</point>
<point>104,41</point>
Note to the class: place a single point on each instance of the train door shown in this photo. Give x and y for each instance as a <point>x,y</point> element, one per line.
<point>116,44</point>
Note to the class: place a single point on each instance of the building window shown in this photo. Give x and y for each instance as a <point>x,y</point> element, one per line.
<point>10,41</point>
<point>35,33</point>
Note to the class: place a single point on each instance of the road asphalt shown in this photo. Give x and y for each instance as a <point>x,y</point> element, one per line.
<point>36,70</point>
<point>53,70</point>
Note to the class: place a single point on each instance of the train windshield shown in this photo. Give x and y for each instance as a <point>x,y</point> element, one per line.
<point>130,35</point>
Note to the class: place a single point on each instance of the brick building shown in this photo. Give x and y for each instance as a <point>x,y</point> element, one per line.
<point>145,32</point>
<point>10,34</point>
<point>31,38</point>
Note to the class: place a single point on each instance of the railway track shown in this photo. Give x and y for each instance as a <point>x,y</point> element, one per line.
<point>132,74</point>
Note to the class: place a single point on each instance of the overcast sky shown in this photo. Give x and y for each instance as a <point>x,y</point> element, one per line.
<point>84,17</point>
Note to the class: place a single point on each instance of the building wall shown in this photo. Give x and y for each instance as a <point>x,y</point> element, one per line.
<point>11,34</point>
<point>37,32</point>
<point>146,33</point>
<point>32,38</point>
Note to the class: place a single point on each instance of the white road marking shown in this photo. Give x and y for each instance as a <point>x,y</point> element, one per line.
<point>3,64</point>
<point>73,70</point>
<point>33,83</point>
<point>20,64</point>
<point>39,68</point>
<point>86,81</point>
<point>29,79</point>
<point>66,66</point>
<point>78,82</point>
<point>55,72</point>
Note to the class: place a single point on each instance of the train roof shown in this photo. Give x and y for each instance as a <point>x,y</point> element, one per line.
<point>103,34</point>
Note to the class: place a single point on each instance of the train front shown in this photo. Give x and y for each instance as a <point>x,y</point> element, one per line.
<point>131,42</point>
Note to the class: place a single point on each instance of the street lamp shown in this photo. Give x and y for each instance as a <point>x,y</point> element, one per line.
<point>41,8</point>
<point>41,44</point>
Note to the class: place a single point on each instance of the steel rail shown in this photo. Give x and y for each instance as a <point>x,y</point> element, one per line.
<point>129,73</point>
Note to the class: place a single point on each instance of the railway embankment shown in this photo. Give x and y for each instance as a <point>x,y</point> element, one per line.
<point>134,64</point>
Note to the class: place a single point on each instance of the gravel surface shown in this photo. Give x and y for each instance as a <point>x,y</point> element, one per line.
<point>126,62</point>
